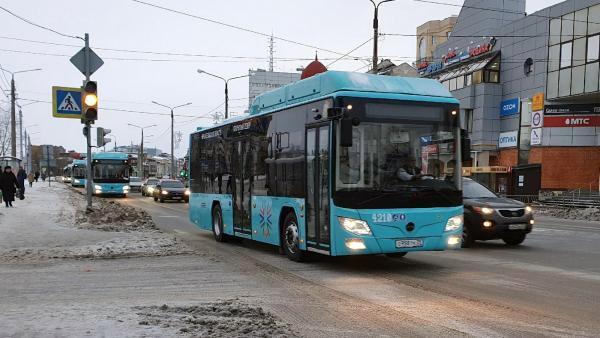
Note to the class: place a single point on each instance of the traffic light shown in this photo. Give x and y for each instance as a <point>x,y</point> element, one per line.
<point>101,140</point>
<point>89,101</point>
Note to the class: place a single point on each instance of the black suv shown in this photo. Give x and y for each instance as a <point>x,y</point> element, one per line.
<point>172,190</point>
<point>489,216</point>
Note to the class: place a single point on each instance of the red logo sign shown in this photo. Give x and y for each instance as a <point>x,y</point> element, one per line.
<point>422,65</point>
<point>481,49</point>
<point>572,121</point>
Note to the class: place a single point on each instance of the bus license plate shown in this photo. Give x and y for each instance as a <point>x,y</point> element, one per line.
<point>517,226</point>
<point>409,243</point>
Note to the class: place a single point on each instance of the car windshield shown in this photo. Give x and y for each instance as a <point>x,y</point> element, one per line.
<point>134,179</point>
<point>171,184</point>
<point>111,171</point>
<point>473,189</point>
<point>151,182</point>
<point>79,172</point>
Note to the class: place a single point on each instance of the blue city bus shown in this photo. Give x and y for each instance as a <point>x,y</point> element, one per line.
<point>110,172</point>
<point>66,174</point>
<point>340,164</point>
<point>78,173</point>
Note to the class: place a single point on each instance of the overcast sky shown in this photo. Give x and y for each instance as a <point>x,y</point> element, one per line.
<point>335,25</point>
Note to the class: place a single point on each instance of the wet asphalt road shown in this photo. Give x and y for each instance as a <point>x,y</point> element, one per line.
<point>549,286</point>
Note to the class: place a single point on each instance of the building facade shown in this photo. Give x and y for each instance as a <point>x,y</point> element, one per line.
<point>261,81</point>
<point>528,86</point>
<point>430,35</point>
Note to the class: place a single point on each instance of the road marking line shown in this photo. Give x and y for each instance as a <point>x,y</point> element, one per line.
<point>168,216</point>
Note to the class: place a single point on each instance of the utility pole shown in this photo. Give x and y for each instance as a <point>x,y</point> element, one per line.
<point>13,124</point>
<point>21,134</point>
<point>141,152</point>
<point>88,126</point>
<point>172,133</point>
<point>376,32</point>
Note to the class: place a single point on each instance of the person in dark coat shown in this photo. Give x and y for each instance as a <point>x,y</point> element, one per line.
<point>37,175</point>
<point>9,185</point>
<point>21,177</point>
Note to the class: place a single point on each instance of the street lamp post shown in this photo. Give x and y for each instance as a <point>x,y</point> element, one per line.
<point>376,30</point>
<point>172,133</point>
<point>200,71</point>
<point>141,155</point>
<point>13,124</point>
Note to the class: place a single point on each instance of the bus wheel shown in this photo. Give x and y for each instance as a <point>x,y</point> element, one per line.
<point>290,238</point>
<point>217,224</point>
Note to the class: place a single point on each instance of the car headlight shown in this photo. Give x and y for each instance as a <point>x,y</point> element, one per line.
<point>528,210</point>
<point>187,192</point>
<point>98,187</point>
<point>355,226</point>
<point>484,210</point>
<point>164,192</point>
<point>454,223</point>
<point>150,189</point>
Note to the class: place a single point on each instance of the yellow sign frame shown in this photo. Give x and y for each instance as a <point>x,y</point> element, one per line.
<point>55,103</point>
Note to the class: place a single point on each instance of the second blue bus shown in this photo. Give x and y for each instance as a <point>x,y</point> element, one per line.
<point>110,172</point>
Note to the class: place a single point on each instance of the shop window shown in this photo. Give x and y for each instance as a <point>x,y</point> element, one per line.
<point>554,31</point>
<point>578,79</point>
<point>591,77</point>
<point>433,40</point>
<point>566,32</point>
<point>452,84</point>
<point>491,76</point>
<point>552,85</point>
<point>579,52</point>
<point>593,48</point>
<point>468,79</point>
<point>553,58</point>
<point>469,120</point>
<point>580,29</point>
<point>566,57</point>
<point>564,82</point>
<point>594,20</point>
<point>478,77</point>
<point>422,48</point>
<point>460,82</point>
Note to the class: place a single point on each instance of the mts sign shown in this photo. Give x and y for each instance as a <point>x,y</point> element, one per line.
<point>572,121</point>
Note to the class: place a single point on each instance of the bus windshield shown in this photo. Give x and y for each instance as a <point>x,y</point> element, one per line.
<point>78,172</point>
<point>408,164</point>
<point>111,171</point>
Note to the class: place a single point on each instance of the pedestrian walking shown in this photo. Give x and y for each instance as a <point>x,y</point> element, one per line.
<point>21,177</point>
<point>9,185</point>
<point>37,175</point>
<point>31,178</point>
<point>44,177</point>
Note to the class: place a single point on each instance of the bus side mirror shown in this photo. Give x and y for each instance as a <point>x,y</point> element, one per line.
<point>346,133</point>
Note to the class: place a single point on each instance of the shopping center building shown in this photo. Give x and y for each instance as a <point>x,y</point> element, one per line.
<point>528,86</point>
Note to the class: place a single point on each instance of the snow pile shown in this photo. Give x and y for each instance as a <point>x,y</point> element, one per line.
<point>585,214</point>
<point>112,216</point>
<point>229,318</point>
<point>134,245</point>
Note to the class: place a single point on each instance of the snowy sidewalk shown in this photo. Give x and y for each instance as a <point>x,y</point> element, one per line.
<point>43,227</point>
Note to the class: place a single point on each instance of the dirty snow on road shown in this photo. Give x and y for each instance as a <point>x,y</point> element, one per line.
<point>51,223</point>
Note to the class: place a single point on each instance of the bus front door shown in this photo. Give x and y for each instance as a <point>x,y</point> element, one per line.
<point>241,188</point>
<point>317,189</point>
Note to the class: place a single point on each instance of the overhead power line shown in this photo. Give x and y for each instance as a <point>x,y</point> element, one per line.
<point>38,25</point>
<point>351,51</point>
<point>236,27</point>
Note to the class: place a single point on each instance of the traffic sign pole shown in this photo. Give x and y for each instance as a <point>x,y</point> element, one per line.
<point>88,181</point>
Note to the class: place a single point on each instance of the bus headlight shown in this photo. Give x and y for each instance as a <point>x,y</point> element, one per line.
<point>355,244</point>
<point>98,187</point>
<point>126,187</point>
<point>355,226</point>
<point>76,181</point>
<point>187,192</point>
<point>454,223</point>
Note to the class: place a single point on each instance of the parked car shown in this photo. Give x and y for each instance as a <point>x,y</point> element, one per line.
<point>135,183</point>
<point>148,186</point>
<point>490,216</point>
<point>173,190</point>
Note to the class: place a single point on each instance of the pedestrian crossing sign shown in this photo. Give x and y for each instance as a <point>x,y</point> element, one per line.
<point>66,102</point>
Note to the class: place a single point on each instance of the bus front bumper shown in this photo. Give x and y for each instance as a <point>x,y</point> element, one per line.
<point>372,245</point>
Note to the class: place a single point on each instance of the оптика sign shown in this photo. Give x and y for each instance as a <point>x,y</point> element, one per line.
<point>572,109</point>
